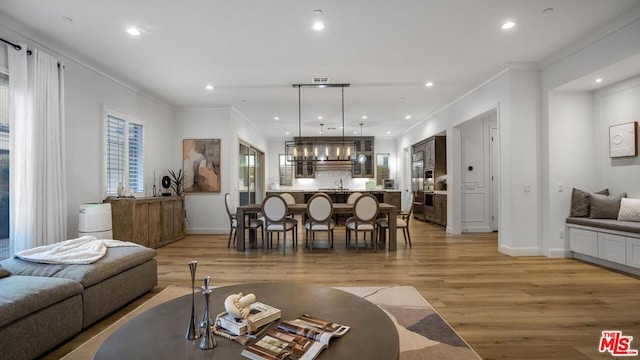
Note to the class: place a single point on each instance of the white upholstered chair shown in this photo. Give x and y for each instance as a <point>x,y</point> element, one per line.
<point>365,212</point>
<point>319,211</point>
<point>275,209</point>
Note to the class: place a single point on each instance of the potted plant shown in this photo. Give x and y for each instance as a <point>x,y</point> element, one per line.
<point>177,182</point>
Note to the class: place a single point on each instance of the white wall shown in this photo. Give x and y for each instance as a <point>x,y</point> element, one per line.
<point>571,141</point>
<point>617,104</point>
<point>86,91</point>
<point>614,43</point>
<point>514,94</point>
<point>206,213</point>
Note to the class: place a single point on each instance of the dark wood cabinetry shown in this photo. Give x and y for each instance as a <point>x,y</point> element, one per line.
<point>440,213</point>
<point>151,222</point>
<point>394,198</point>
<point>435,209</point>
<point>305,169</point>
<point>305,163</point>
<point>365,147</point>
<point>428,205</point>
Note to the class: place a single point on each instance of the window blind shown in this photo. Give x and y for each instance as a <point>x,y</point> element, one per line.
<point>136,158</point>
<point>116,165</point>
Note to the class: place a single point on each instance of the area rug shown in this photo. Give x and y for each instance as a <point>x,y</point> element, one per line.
<point>423,333</point>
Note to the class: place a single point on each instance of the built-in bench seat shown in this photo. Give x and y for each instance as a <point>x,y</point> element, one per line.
<point>611,224</point>
<point>606,242</point>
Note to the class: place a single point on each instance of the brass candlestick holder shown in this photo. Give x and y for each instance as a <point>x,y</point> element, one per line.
<point>192,330</point>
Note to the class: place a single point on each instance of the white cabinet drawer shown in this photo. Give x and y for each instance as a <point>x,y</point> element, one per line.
<point>612,247</point>
<point>583,241</point>
<point>633,252</point>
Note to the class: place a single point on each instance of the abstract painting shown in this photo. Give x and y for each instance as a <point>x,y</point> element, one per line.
<point>201,165</point>
<point>623,140</point>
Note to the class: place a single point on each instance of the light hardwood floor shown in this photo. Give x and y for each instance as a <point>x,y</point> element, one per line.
<point>504,307</point>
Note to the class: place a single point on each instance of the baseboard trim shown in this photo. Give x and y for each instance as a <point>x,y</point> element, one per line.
<point>524,251</point>
<point>606,263</point>
<point>558,253</point>
<point>207,231</point>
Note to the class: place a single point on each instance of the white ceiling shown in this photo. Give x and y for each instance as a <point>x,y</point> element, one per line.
<point>252,51</point>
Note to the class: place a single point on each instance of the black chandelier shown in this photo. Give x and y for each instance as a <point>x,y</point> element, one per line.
<point>319,149</point>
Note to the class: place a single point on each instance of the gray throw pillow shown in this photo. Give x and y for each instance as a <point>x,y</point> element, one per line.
<point>605,207</point>
<point>4,272</point>
<point>580,205</point>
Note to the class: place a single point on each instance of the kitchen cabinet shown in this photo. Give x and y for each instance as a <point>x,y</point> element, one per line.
<point>440,212</point>
<point>364,146</point>
<point>305,169</point>
<point>393,198</point>
<point>151,222</point>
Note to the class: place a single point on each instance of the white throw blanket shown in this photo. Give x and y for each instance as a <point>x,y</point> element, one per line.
<point>83,250</point>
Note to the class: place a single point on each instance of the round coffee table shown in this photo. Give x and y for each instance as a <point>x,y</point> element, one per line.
<point>158,333</point>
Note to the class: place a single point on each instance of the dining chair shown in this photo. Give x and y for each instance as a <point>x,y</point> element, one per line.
<point>291,201</point>
<point>365,212</point>
<point>319,211</point>
<point>275,210</point>
<point>250,223</point>
<point>402,222</point>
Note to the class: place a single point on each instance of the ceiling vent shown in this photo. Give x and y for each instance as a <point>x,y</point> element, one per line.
<point>320,80</point>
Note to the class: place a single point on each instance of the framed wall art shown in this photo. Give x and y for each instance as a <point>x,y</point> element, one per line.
<point>201,165</point>
<point>623,140</point>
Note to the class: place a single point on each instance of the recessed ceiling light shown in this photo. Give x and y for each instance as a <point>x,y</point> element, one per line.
<point>364,117</point>
<point>276,118</point>
<point>428,84</point>
<point>67,19</point>
<point>133,31</point>
<point>209,87</point>
<point>407,117</point>
<point>319,117</point>
<point>355,132</point>
<point>286,133</point>
<point>599,80</point>
<point>318,25</point>
<point>388,132</point>
<point>508,25</point>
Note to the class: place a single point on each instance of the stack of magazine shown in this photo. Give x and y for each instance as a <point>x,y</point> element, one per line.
<point>259,314</point>
<point>303,338</point>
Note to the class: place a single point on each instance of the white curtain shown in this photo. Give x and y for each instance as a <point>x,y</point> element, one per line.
<point>37,169</point>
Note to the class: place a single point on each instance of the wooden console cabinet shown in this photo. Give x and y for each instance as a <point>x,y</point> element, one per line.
<point>151,222</point>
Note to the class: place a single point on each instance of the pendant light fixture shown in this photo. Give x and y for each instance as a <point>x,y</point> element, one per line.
<point>362,158</point>
<point>320,148</point>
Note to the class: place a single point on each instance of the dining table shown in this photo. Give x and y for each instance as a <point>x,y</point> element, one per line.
<point>338,208</point>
